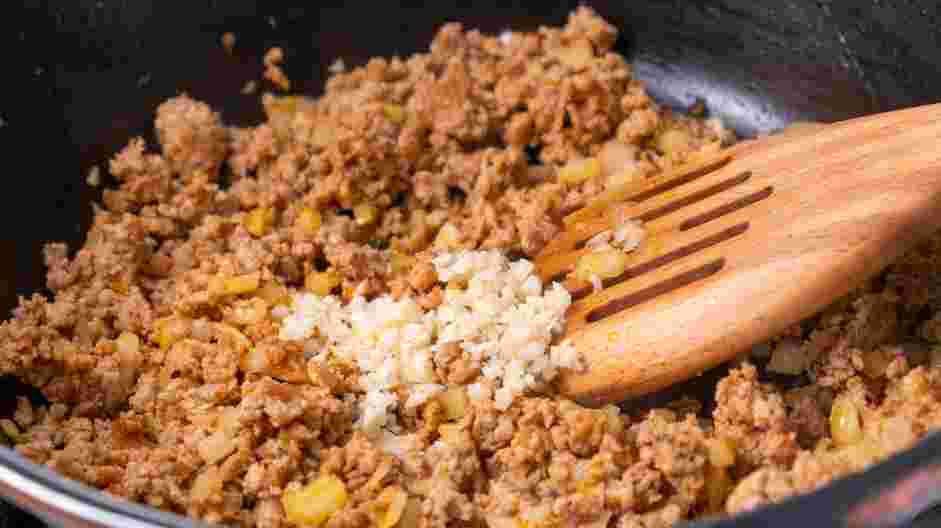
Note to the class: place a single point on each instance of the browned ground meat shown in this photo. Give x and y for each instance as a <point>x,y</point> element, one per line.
<point>168,385</point>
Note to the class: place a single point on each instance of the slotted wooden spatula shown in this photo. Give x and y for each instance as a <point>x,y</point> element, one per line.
<point>743,243</point>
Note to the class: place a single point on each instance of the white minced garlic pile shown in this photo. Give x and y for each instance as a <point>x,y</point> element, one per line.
<point>503,319</point>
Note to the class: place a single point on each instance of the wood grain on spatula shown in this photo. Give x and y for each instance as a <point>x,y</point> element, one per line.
<point>743,243</point>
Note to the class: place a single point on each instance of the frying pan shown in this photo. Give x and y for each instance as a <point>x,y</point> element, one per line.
<point>81,77</point>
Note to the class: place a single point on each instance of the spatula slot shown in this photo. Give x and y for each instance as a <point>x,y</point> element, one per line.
<point>723,210</point>
<point>695,197</point>
<point>677,254</point>
<point>680,203</point>
<point>669,185</point>
<point>666,259</point>
<point>661,288</point>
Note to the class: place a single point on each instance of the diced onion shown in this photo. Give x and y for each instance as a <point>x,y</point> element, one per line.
<point>454,403</point>
<point>314,504</point>
<point>309,221</point>
<point>322,282</point>
<point>606,264</point>
<point>259,221</point>
<point>580,170</point>
<point>845,424</point>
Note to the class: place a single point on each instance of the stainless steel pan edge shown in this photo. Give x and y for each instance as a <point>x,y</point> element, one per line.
<point>69,504</point>
<point>889,494</point>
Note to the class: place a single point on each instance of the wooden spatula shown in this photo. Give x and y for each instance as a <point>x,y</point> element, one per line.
<point>743,243</point>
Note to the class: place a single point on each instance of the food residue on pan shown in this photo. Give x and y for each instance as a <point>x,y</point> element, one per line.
<point>228,41</point>
<point>273,72</point>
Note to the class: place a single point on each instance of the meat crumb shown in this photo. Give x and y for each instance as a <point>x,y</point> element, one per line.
<point>338,66</point>
<point>228,42</point>
<point>250,87</point>
<point>273,72</point>
<point>93,178</point>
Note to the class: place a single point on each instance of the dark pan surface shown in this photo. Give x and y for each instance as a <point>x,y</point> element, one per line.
<point>81,77</point>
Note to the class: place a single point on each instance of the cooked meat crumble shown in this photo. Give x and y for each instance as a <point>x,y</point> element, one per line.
<point>293,344</point>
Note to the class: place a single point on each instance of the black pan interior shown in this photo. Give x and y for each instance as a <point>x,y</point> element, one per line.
<point>81,77</point>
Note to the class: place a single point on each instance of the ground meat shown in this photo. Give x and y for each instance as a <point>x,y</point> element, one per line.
<point>191,137</point>
<point>158,350</point>
<point>364,267</point>
<point>146,178</point>
<point>273,71</point>
<point>762,486</point>
<point>807,412</point>
<point>756,416</point>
